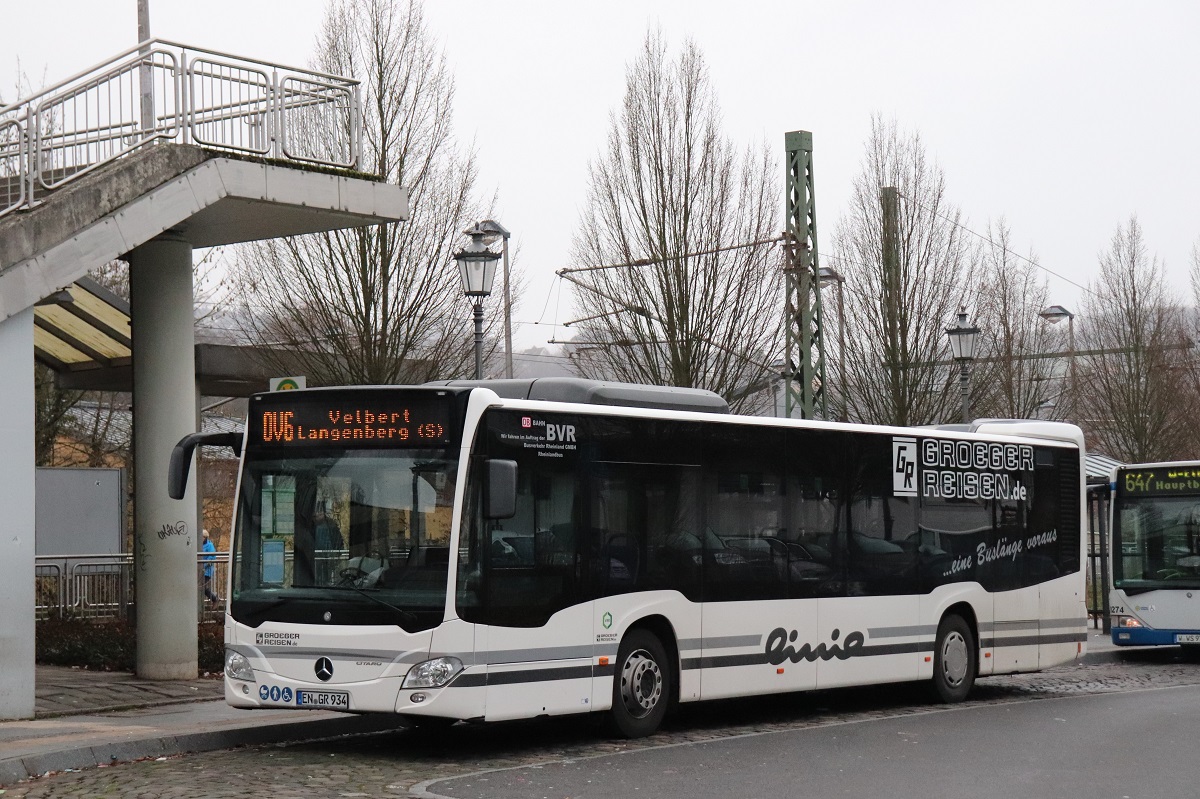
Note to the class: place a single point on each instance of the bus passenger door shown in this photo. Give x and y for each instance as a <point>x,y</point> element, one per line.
<point>764,563</point>
<point>538,671</point>
<point>537,636</point>
<point>1015,630</point>
<point>1063,621</point>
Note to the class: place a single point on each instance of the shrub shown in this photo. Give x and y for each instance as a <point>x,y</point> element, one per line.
<point>86,643</point>
<point>111,645</point>
<point>212,648</point>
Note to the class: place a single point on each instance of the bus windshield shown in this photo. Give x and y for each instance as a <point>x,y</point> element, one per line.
<point>1156,542</point>
<point>323,532</point>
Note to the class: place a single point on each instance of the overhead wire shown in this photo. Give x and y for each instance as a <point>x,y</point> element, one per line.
<point>992,242</point>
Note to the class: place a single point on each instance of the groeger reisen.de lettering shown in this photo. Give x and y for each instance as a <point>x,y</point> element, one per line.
<point>974,469</point>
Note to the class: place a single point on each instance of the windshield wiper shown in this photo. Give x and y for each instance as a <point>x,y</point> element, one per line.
<point>405,615</point>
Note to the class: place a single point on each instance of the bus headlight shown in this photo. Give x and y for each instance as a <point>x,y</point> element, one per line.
<point>237,667</point>
<point>432,673</point>
<point>1127,621</point>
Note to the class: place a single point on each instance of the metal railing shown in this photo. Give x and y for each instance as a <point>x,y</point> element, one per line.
<point>165,91</point>
<point>101,586</point>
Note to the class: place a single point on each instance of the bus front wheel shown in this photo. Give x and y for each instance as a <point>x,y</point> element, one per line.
<point>641,685</point>
<point>954,660</point>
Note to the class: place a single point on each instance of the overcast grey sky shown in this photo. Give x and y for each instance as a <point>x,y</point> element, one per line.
<point>1063,117</point>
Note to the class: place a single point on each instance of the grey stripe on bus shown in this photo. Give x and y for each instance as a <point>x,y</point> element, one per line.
<point>1015,624</point>
<point>476,679</point>
<point>741,641</point>
<point>719,642</point>
<point>1029,624</point>
<point>876,650</point>
<point>1032,640</point>
<point>517,676</point>
<point>297,653</point>
<point>901,632</point>
<point>501,656</point>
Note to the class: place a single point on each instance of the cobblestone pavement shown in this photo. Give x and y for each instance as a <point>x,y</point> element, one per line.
<point>64,692</point>
<point>390,764</point>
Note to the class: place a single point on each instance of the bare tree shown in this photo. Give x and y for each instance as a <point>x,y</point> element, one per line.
<point>52,406</point>
<point>692,297</point>
<point>1191,440</point>
<point>894,369</point>
<point>1014,379</point>
<point>380,304</point>
<point>1134,392</point>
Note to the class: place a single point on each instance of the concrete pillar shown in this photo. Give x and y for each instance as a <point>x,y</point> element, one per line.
<point>164,410</point>
<point>17,462</point>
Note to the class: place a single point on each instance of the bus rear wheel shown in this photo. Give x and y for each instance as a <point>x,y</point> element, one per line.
<point>641,685</point>
<point>954,660</point>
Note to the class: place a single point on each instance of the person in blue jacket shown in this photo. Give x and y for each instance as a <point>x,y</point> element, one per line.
<point>208,567</point>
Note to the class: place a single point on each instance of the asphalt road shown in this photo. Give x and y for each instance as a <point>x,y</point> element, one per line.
<point>1120,745</point>
<point>1120,729</point>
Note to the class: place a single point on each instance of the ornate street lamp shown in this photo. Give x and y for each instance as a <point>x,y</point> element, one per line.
<point>963,338</point>
<point>477,269</point>
<point>494,229</point>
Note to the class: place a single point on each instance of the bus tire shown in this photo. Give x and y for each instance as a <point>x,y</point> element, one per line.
<point>955,659</point>
<point>641,685</point>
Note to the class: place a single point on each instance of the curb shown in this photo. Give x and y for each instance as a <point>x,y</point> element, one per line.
<point>15,769</point>
<point>122,707</point>
<point>1122,654</point>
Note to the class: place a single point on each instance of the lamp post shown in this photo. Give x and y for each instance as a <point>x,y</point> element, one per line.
<point>1055,314</point>
<point>826,275</point>
<point>496,229</point>
<point>962,344</point>
<point>477,269</point>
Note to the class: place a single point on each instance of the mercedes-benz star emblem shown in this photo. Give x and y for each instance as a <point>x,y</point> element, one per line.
<point>324,669</point>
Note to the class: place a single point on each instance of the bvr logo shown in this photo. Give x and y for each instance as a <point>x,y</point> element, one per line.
<point>904,467</point>
<point>560,432</point>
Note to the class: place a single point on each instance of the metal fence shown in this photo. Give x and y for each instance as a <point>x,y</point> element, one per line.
<point>101,586</point>
<point>166,91</point>
<point>1098,497</point>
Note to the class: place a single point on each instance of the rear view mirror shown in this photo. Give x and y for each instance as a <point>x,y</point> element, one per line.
<point>181,457</point>
<point>500,490</point>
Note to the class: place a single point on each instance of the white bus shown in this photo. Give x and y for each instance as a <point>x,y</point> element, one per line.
<point>1155,553</point>
<point>513,549</point>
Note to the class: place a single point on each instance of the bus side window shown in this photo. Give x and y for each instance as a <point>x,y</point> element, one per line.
<point>530,566</point>
<point>746,556</point>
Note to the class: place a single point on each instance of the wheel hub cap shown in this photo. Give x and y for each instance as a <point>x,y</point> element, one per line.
<point>954,659</point>
<point>641,684</point>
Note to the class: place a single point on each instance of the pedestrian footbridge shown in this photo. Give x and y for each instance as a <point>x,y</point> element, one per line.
<point>144,157</point>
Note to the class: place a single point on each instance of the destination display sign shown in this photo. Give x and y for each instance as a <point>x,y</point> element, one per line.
<point>1158,482</point>
<point>332,419</point>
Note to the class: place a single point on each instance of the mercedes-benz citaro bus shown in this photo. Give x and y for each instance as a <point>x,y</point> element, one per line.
<point>519,548</point>
<point>1155,595</point>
